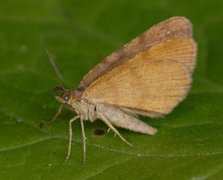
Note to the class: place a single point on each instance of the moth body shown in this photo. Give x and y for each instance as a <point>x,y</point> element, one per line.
<point>118,117</point>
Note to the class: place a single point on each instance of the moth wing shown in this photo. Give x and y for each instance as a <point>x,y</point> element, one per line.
<point>172,28</point>
<point>152,83</point>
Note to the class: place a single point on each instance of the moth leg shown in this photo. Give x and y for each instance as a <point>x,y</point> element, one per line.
<point>54,117</point>
<point>70,137</point>
<point>109,131</point>
<point>57,113</point>
<point>83,140</point>
<point>106,121</point>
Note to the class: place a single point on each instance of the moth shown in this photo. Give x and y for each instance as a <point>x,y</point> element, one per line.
<point>148,76</point>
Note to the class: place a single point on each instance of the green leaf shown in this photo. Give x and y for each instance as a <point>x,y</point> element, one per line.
<point>80,33</point>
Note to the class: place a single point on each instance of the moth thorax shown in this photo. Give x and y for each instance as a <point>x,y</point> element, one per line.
<point>86,110</point>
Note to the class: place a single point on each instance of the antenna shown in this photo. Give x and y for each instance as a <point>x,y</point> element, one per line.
<point>53,62</point>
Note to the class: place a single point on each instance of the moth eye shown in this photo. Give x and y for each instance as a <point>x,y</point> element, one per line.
<point>65,98</point>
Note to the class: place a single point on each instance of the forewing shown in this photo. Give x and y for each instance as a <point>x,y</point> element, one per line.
<point>152,82</point>
<point>172,28</point>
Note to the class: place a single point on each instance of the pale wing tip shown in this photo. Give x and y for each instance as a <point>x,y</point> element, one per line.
<point>150,130</point>
<point>154,131</point>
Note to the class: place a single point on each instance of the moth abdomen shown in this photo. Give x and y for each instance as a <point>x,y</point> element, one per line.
<point>121,118</point>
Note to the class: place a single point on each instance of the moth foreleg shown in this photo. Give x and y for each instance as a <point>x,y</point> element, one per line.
<point>43,123</point>
<point>57,113</point>
<point>106,121</point>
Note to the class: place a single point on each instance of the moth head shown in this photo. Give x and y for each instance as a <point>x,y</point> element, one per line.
<point>64,98</point>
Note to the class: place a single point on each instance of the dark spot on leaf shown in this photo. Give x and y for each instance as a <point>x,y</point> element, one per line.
<point>41,124</point>
<point>99,132</point>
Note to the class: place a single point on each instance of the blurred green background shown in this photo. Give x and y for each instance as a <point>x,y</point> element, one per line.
<point>80,33</point>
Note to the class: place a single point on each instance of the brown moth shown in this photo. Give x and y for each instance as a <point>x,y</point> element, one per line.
<point>148,76</point>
